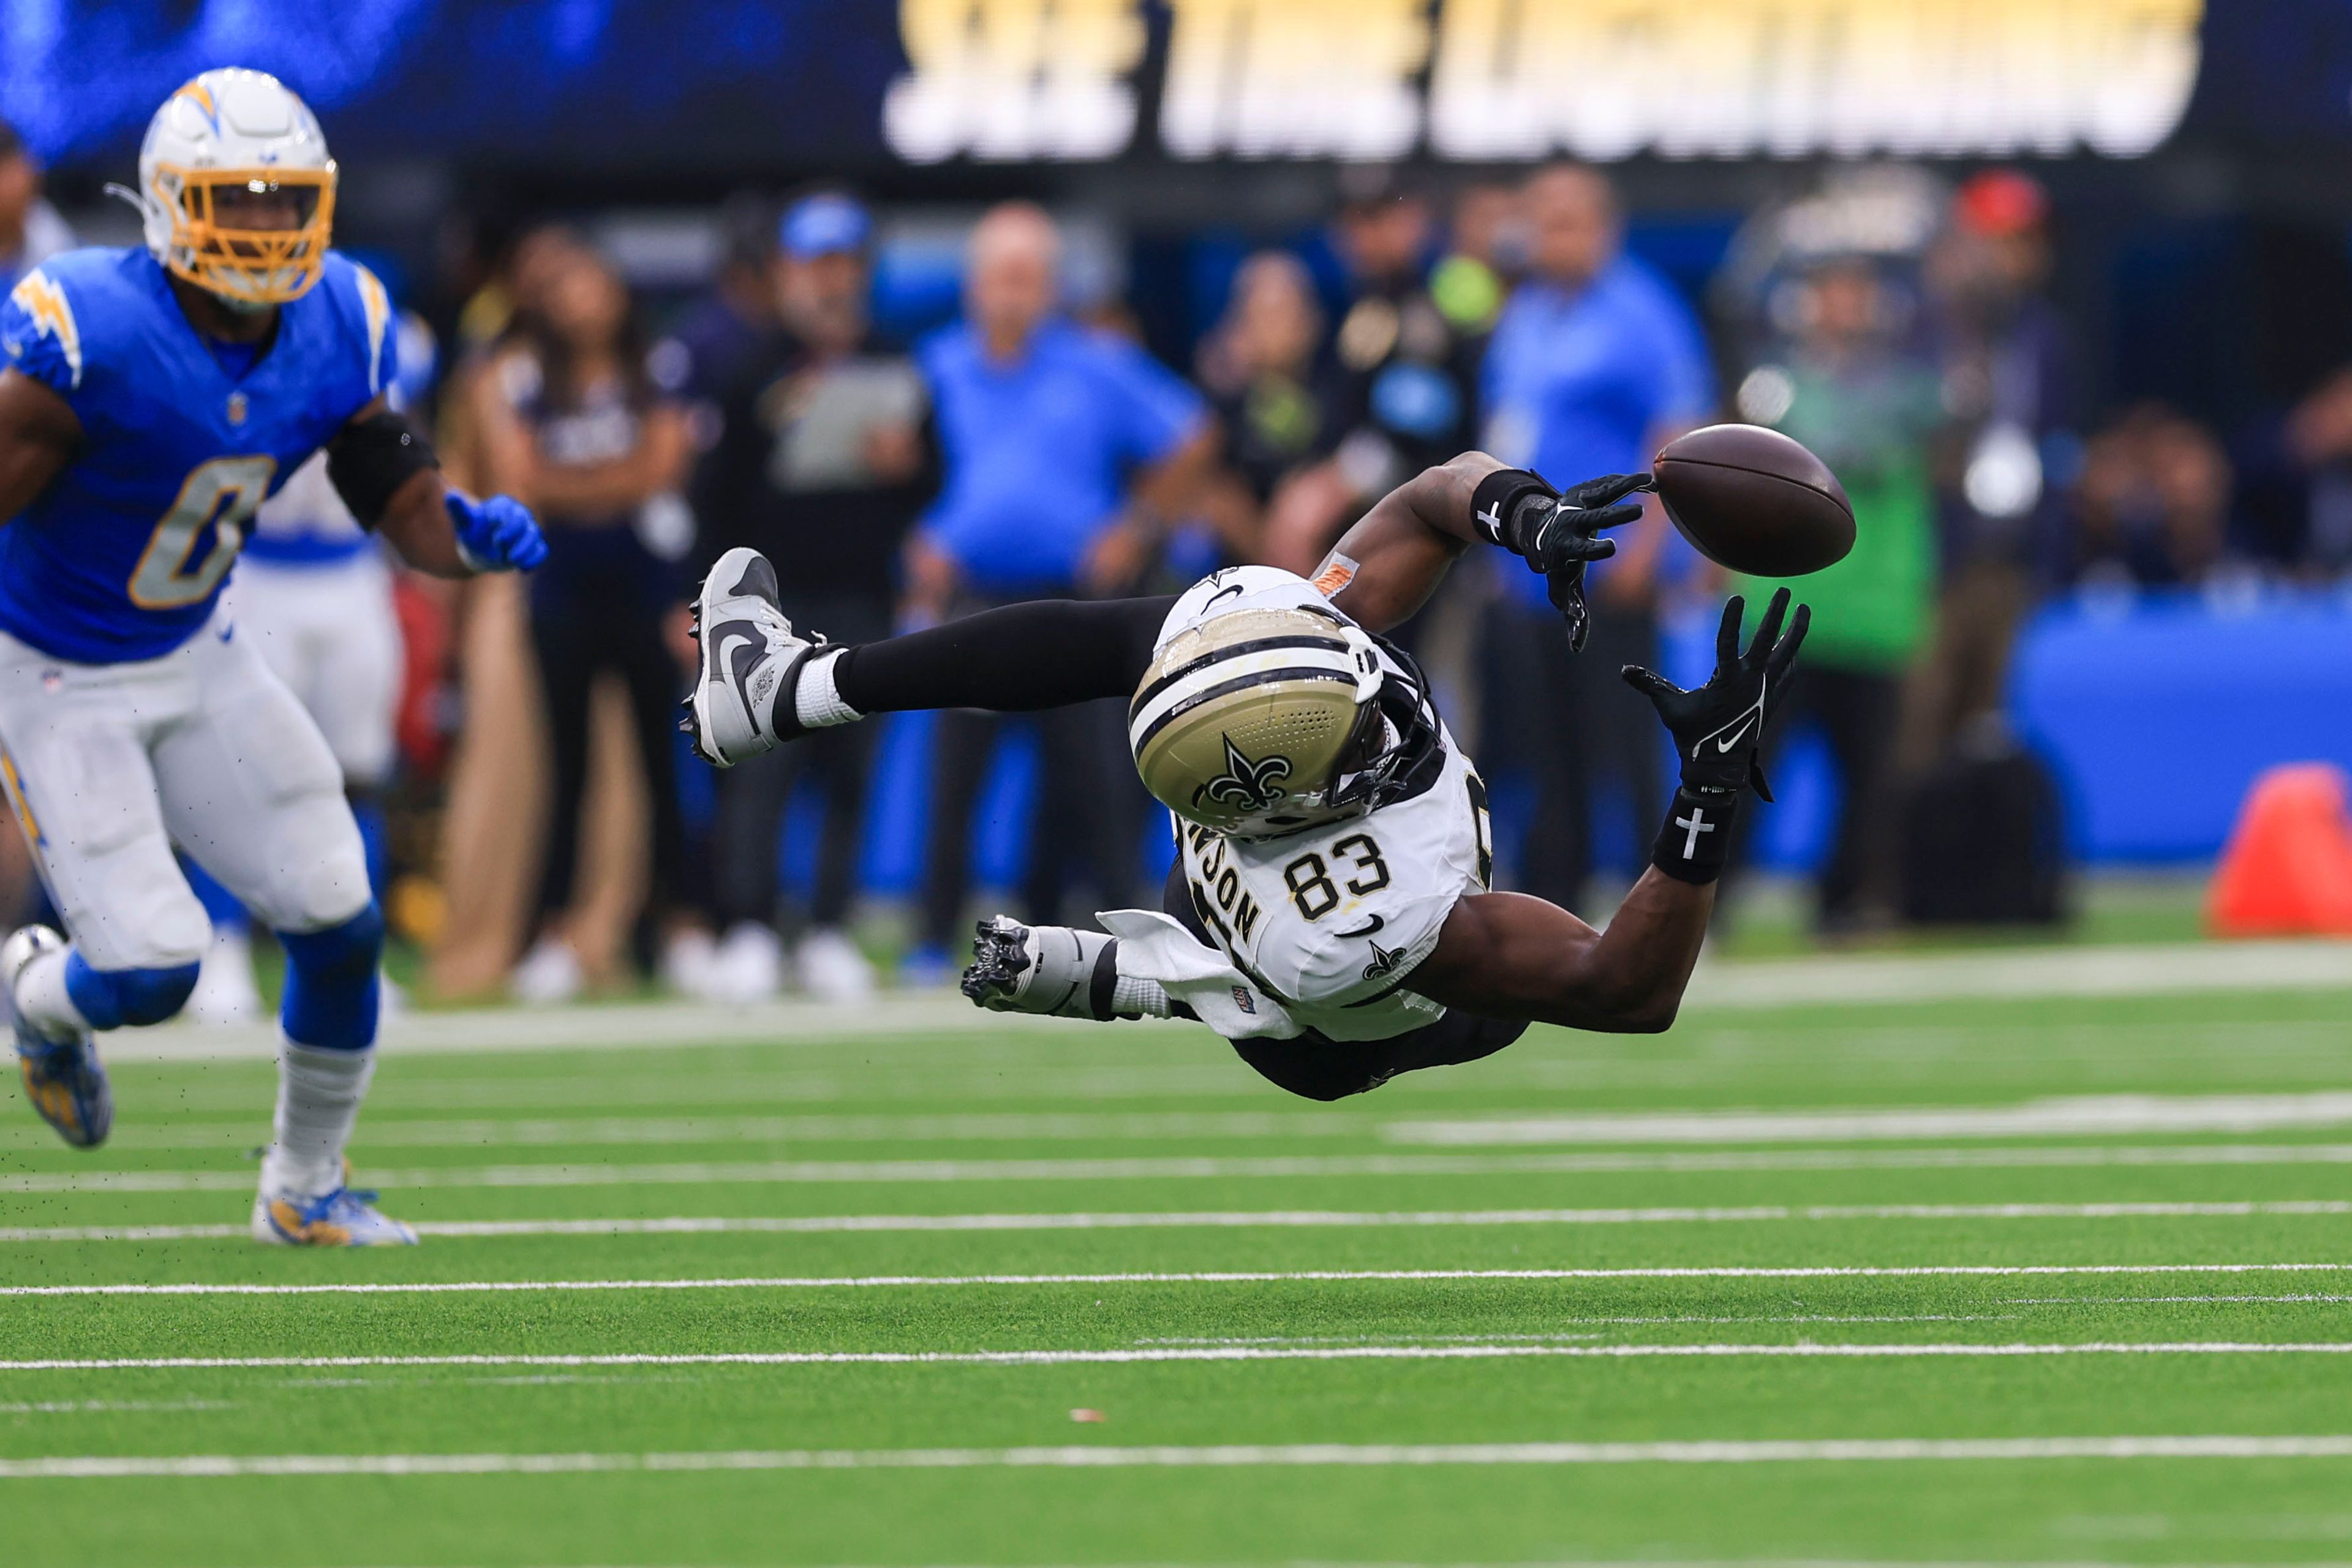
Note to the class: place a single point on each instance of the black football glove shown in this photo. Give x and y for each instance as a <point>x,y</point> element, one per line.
<point>1718,728</point>
<point>1555,533</point>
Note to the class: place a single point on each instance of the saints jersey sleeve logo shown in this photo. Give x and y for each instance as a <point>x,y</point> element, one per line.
<point>1245,784</point>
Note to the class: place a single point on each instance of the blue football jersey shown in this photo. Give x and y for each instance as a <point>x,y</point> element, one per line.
<point>123,555</point>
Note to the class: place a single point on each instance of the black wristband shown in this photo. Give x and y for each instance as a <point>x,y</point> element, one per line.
<point>1497,497</point>
<point>1695,838</point>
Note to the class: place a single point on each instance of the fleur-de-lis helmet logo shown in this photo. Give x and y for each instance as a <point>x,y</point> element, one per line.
<point>1245,785</point>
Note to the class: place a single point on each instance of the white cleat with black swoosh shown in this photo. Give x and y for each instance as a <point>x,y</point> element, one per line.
<point>741,704</point>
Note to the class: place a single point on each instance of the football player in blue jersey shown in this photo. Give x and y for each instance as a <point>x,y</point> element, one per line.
<point>151,398</point>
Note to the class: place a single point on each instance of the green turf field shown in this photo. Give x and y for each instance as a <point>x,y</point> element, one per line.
<point>2048,1277</point>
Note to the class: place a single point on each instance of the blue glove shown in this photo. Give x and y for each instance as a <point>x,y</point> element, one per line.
<point>497,534</point>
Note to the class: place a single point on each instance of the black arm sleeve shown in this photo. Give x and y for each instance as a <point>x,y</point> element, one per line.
<point>372,457</point>
<point>1016,660</point>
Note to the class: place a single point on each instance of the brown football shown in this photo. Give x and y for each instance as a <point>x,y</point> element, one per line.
<point>1754,500</point>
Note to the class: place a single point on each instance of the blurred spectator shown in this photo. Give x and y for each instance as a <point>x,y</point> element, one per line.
<point>726,326</point>
<point>1594,363</point>
<point>2152,509</point>
<point>572,421</point>
<point>1064,452</point>
<point>30,229</point>
<point>1869,408</point>
<point>824,460</point>
<point>1406,382</point>
<point>1263,369</point>
<point>2295,492</point>
<point>1487,256</point>
<point>2008,386</point>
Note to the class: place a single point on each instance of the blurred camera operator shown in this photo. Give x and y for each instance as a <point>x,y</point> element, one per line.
<point>825,457</point>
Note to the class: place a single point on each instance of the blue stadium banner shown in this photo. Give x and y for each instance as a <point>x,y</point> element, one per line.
<point>853,83</point>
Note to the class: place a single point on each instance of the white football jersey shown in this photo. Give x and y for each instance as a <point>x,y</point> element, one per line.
<point>1328,922</point>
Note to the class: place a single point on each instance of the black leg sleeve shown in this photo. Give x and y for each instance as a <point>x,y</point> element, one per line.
<point>1016,660</point>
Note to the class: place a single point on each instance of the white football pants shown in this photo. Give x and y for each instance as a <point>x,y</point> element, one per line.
<point>330,634</point>
<point>109,765</point>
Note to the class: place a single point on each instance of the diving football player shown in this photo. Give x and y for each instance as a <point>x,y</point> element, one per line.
<point>1328,912</point>
<point>152,396</point>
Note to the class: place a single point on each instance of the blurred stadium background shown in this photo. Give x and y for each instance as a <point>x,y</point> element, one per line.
<point>2064,290</point>
<point>1917,1254</point>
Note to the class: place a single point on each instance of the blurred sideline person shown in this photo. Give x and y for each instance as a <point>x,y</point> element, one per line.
<point>571,418</point>
<point>1404,375</point>
<point>1594,364</point>
<point>1328,912</point>
<point>1066,453</point>
<point>825,458</point>
<point>2008,381</point>
<point>1270,384</point>
<point>134,717</point>
<point>2152,509</point>
<point>1870,407</point>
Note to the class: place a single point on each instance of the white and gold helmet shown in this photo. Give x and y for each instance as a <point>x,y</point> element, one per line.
<point>1268,720</point>
<point>237,131</point>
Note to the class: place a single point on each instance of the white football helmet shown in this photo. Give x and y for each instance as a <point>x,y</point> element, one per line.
<point>237,131</point>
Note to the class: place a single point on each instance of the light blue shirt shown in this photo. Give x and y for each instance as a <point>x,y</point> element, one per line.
<point>1578,381</point>
<point>1038,449</point>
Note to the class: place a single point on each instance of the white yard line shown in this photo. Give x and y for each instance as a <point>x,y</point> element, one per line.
<point>1200,1168</point>
<point>1224,1276</point>
<point>2106,1115</point>
<point>1374,1455</point>
<point>1153,1355</point>
<point>1929,977</point>
<point>1228,1276</point>
<point>1249,1219</point>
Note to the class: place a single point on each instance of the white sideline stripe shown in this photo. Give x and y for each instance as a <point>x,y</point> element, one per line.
<point>1206,1167</point>
<point>1227,1276</point>
<point>1123,1356</point>
<point>2072,1115</point>
<point>1248,1219</point>
<point>2137,970</point>
<point>1381,1455</point>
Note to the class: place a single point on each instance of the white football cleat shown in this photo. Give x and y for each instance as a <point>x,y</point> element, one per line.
<point>742,702</point>
<point>340,1218</point>
<point>1055,971</point>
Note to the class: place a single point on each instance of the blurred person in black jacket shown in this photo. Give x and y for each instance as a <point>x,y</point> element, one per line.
<point>1405,383</point>
<point>825,458</point>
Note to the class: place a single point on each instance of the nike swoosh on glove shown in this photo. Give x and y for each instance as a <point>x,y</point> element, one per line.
<point>1719,728</point>
<point>1558,536</point>
<point>497,534</point>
